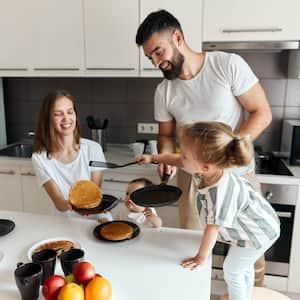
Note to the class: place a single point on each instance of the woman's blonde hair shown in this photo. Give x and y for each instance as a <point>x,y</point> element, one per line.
<point>217,144</point>
<point>46,138</point>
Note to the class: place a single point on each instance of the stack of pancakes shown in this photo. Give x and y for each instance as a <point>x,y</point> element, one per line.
<point>85,194</point>
<point>116,231</point>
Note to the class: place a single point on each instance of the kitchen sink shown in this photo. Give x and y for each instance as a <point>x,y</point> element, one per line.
<point>17,150</point>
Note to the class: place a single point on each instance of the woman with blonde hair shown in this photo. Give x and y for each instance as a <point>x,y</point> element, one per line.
<point>230,209</point>
<point>61,157</point>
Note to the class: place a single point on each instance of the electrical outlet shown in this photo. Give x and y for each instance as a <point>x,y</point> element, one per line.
<point>151,128</point>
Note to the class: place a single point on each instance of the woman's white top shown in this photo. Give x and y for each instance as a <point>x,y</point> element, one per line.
<point>65,175</point>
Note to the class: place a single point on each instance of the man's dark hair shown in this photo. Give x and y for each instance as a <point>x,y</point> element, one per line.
<point>156,22</point>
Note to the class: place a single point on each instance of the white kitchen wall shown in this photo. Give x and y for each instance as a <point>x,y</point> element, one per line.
<point>2,117</point>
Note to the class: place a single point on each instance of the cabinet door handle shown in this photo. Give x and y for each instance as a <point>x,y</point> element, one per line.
<point>151,69</point>
<point>56,69</point>
<point>10,172</point>
<point>13,69</point>
<point>284,214</point>
<point>28,174</point>
<point>270,29</point>
<point>116,181</point>
<point>110,69</point>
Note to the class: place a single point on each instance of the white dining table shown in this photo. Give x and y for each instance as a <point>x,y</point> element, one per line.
<point>146,267</point>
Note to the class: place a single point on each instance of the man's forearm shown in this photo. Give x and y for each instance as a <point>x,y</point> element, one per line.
<point>256,123</point>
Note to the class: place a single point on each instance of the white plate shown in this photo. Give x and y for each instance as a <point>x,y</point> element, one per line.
<point>35,245</point>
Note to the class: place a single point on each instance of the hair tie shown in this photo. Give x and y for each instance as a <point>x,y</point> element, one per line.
<point>236,141</point>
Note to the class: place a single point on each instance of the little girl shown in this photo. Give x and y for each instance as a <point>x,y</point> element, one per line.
<point>129,211</point>
<point>230,209</point>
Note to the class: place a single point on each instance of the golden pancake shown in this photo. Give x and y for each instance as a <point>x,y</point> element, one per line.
<point>58,246</point>
<point>85,194</point>
<point>116,231</point>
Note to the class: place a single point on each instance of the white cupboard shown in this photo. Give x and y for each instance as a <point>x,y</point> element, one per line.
<point>14,32</point>
<point>189,15</point>
<point>255,20</point>
<point>57,36</point>
<point>10,187</point>
<point>109,29</point>
<point>35,199</point>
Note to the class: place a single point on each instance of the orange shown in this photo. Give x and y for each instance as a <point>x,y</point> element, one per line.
<point>71,291</point>
<point>98,288</point>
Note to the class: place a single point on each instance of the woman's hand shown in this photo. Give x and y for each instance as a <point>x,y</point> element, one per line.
<point>144,159</point>
<point>193,262</point>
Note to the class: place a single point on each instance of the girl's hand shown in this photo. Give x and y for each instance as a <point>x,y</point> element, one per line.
<point>148,212</point>
<point>144,159</point>
<point>193,262</point>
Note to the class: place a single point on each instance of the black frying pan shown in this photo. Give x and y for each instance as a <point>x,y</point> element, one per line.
<point>156,195</point>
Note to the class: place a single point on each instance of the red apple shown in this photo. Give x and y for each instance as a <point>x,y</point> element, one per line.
<point>84,272</point>
<point>52,286</point>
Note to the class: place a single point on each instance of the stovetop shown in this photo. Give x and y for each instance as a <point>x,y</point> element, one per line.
<point>267,163</point>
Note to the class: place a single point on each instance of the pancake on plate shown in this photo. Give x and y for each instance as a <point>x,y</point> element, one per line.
<point>85,194</point>
<point>58,246</point>
<point>116,231</point>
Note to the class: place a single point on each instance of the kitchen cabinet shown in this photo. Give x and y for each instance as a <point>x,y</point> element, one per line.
<point>41,37</point>
<point>35,199</point>
<point>10,187</point>
<point>189,14</point>
<point>57,36</point>
<point>256,20</point>
<point>20,190</point>
<point>14,32</point>
<point>110,28</point>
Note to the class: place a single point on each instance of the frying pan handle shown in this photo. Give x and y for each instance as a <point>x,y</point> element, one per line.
<point>165,178</point>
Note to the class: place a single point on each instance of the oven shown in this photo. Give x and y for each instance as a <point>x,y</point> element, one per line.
<point>283,198</point>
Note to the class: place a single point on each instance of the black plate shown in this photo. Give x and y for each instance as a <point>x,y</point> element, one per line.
<point>136,231</point>
<point>6,226</point>
<point>108,202</point>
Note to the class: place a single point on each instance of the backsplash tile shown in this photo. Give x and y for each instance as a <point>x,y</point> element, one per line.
<point>126,101</point>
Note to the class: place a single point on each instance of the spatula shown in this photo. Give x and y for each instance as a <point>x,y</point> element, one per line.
<point>109,165</point>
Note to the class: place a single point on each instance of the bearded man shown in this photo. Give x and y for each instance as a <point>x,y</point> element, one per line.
<point>205,86</point>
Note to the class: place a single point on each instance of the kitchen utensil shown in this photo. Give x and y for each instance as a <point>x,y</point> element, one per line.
<point>6,226</point>
<point>28,279</point>
<point>108,202</point>
<point>69,259</point>
<point>99,136</point>
<point>104,124</point>
<point>137,148</point>
<point>47,259</point>
<point>97,231</point>
<point>109,165</point>
<point>98,124</point>
<point>90,122</point>
<point>157,195</point>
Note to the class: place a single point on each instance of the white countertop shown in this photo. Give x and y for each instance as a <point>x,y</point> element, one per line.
<point>145,268</point>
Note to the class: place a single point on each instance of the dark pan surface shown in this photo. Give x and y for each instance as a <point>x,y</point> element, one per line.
<point>108,202</point>
<point>97,229</point>
<point>6,226</point>
<point>156,195</point>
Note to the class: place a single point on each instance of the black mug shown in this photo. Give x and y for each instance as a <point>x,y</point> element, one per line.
<point>47,259</point>
<point>69,259</point>
<point>28,279</point>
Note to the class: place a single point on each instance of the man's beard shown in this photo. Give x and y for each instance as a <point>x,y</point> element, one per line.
<point>176,63</point>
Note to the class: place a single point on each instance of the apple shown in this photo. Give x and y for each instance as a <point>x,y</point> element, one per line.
<point>84,272</point>
<point>98,275</point>
<point>52,286</point>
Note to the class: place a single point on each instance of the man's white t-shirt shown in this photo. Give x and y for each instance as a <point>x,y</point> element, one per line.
<point>65,175</point>
<point>209,96</point>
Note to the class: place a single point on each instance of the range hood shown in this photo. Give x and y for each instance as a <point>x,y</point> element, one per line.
<point>251,46</point>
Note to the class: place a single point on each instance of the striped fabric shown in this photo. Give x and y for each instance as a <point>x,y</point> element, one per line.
<point>245,218</point>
